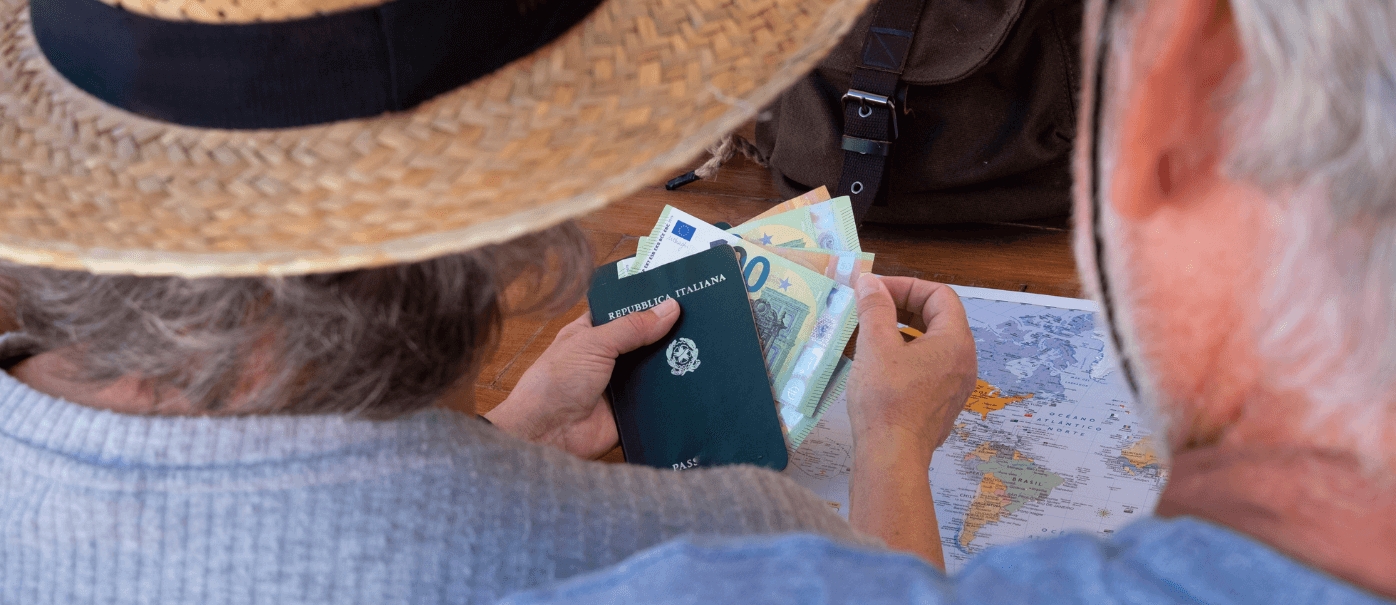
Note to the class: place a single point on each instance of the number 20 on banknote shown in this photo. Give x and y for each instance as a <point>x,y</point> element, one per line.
<point>750,264</point>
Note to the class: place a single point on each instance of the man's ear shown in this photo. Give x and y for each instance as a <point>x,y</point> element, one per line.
<point>1170,104</point>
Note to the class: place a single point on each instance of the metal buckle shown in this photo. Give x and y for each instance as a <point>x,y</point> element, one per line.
<point>866,100</point>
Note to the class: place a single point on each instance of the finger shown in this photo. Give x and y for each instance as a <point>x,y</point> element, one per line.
<point>877,314</point>
<point>900,288</point>
<point>577,326</point>
<point>937,304</point>
<point>908,292</point>
<point>635,330</point>
<point>943,311</point>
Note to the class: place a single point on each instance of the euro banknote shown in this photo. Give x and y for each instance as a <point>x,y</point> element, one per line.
<point>623,266</point>
<point>841,266</point>
<point>829,225</point>
<point>809,198</point>
<point>803,318</point>
<point>798,426</point>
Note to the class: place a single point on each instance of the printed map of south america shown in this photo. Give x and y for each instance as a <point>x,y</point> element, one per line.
<point>1049,442</point>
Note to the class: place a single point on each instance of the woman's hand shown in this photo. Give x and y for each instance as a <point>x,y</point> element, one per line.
<point>559,401</point>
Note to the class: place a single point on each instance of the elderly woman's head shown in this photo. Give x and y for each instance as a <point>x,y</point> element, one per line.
<point>374,342</point>
<point>455,129</point>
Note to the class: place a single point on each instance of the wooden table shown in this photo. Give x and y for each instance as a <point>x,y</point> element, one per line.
<point>1031,256</point>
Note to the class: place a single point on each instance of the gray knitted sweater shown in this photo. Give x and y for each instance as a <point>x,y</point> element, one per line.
<point>436,507</point>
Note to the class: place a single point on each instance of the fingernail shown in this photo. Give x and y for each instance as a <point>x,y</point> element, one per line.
<point>867,285</point>
<point>666,308</point>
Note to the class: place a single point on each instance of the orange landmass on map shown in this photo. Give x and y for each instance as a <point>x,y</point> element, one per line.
<point>988,398</point>
<point>984,452</point>
<point>986,508</point>
<point>1140,454</point>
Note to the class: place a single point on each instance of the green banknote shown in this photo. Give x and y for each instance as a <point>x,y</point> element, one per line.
<point>628,266</point>
<point>623,266</point>
<point>829,225</point>
<point>803,318</point>
<point>797,425</point>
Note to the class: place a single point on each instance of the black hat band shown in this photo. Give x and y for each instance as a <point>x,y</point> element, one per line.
<point>283,74</point>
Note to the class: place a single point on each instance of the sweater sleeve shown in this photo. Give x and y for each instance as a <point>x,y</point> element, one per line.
<point>633,507</point>
<point>558,516</point>
<point>793,508</point>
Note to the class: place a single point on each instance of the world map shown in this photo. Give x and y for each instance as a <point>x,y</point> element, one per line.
<point>1049,442</point>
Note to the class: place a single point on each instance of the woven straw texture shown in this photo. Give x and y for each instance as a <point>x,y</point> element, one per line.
<point>625,98</point>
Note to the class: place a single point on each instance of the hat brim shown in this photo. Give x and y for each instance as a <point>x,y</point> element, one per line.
<point>627,96</point>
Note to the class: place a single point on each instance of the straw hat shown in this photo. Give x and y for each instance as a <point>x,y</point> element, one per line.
<point>96,175</point>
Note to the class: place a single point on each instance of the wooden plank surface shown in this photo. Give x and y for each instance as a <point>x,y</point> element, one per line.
<point>1032,256</point>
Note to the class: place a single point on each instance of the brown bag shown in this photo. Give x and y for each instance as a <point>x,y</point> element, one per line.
<point>985,115</point>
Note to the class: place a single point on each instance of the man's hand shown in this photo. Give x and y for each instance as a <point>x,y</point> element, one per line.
<point>909,392</point>
<point>559,402</point>
<point>903,398</point>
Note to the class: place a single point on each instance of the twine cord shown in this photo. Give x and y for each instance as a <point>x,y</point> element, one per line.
<point>724,149</point>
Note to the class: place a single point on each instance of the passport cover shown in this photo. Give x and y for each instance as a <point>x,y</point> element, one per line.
<point>699,396</point>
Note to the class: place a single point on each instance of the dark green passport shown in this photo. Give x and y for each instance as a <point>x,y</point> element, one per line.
<point>700,395</point>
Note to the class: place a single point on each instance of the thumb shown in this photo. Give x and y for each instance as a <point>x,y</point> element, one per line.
<point>877,314</point>
<point>636,329</point>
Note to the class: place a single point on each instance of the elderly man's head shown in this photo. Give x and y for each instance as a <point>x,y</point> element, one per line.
<point>373,342</point>
<point>1248,213</point>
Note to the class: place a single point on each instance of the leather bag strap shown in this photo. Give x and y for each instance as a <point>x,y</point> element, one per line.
<point>870,105</point>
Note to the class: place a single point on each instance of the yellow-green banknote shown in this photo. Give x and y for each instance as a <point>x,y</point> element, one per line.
<point>797,425</point>
<point>803,318</point>
<point>829,225</point>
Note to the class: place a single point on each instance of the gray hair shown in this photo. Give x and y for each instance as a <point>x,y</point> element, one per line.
<point>1315,125</point>
<point>374,342</point>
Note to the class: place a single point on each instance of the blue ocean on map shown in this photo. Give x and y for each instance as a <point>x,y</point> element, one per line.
<point>1050,442</point>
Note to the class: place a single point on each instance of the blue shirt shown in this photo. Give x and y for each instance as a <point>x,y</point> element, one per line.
<point>1151,561</point>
